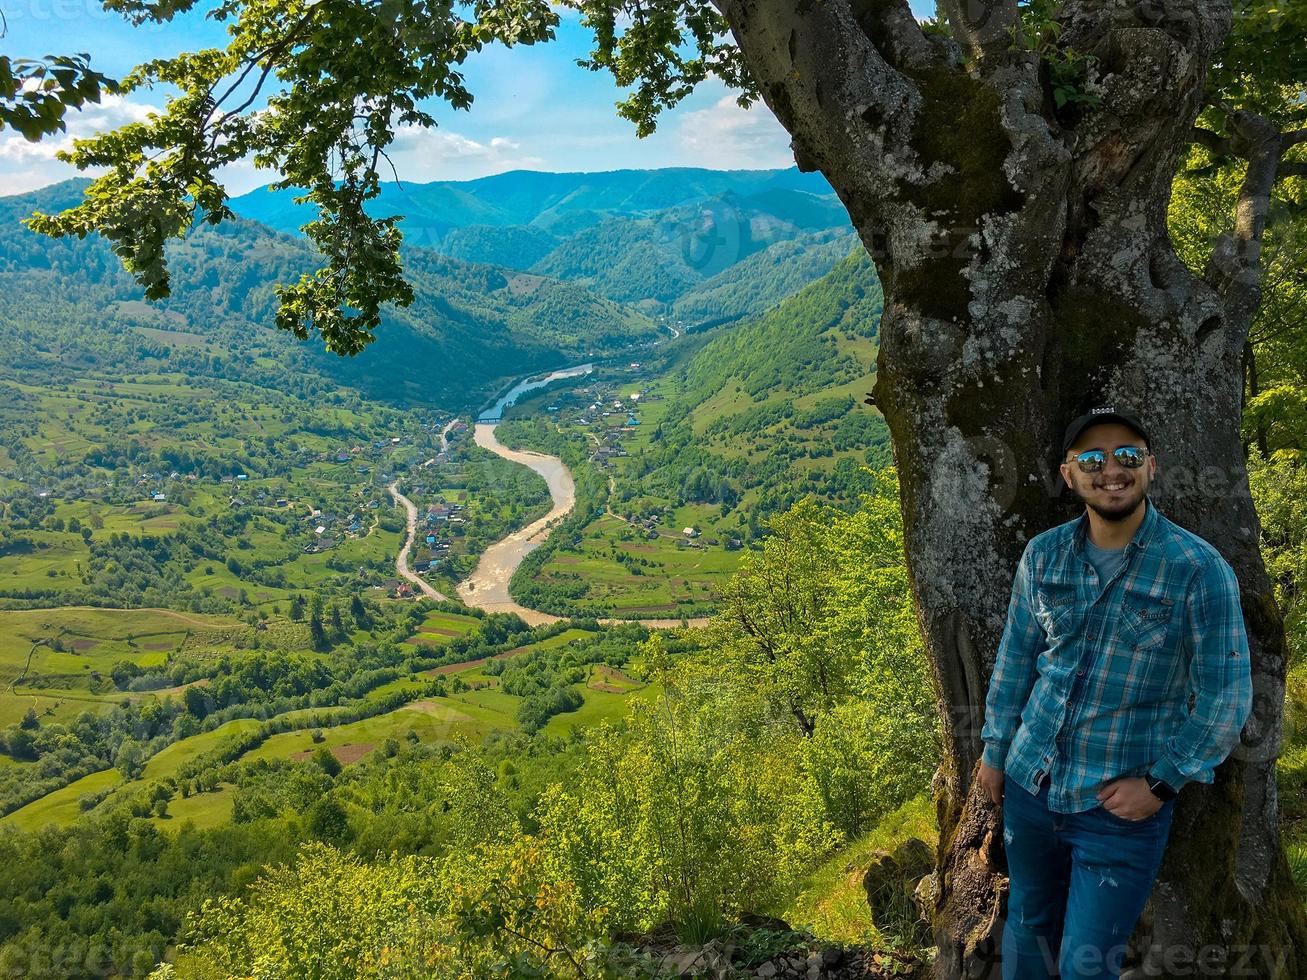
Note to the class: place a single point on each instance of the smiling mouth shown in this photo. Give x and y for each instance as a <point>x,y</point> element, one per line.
<point>1116,486</point>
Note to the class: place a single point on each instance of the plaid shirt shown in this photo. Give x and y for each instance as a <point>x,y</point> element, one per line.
<point>1147,674</point>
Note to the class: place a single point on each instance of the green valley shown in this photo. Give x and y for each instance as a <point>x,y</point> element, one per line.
<point>248,729</point>
<point>208,648</point>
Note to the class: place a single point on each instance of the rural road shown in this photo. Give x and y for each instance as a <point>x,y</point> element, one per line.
<point>401,559</point>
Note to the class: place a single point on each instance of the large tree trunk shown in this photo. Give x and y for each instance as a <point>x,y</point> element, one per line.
<point>1028,273</point>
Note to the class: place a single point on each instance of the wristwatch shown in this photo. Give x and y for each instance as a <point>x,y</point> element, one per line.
<point>1159,788</point>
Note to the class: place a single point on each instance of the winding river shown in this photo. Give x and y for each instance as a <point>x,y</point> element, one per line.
<point>487,587</point>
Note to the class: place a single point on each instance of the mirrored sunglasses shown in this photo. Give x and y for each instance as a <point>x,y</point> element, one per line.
<point>1093,460</point>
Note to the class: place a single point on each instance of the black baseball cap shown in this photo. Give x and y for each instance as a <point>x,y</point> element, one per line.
<point>1096,416</point>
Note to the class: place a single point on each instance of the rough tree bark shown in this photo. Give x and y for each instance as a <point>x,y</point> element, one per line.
<point>1028,273</point>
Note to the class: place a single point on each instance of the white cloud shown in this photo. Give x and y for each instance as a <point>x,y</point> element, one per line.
<point>421,155</point>
<point>418,154</point>
<point>25,166</point>
<point>726,137</point>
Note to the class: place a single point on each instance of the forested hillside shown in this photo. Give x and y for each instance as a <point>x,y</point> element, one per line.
<point>644,238</point>
<point>762,280</point>
<point>470,327</point>
<point>729,431</point>
<point>560,204</point>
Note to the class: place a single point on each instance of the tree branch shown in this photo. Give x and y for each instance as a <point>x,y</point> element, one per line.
<point>893,28</point>
<point>983,26</point>
<point>1218,144</point>
<point>1234,267</point>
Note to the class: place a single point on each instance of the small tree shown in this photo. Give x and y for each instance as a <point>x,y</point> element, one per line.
<point>325,761</point>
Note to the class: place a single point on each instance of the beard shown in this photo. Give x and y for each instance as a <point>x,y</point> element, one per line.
<point>1118,510</point>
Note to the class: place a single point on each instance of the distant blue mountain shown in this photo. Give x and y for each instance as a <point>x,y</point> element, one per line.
<point>560,203</point>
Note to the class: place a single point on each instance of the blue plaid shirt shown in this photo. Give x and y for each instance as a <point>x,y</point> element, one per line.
<point>1147,673</point>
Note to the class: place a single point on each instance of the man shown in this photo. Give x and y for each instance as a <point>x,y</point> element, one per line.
<point>1123,674</point>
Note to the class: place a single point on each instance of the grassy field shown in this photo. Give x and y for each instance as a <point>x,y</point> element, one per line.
<point>57,661</point>
<point>431,720</point>
<point>62,806</point>
<point>203,810</point>
<point>439,628</point>
<point>630,574</point>
<point>600,707</point>
<point>53,560</point>
<point>173,757</point>
<point>833,904</point>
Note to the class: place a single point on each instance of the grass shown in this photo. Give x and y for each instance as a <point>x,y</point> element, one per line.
<point>832,903</point>
<point>432,720</point>
<point>92,641</point>
<point>672,574</point>
<point>1291,774</point>
<point>202,810</point>
<point>441,627</point>
<point>167,761</point>
<point>62,806</point>
<point>448,621</point>
<point>54,561</point>
<point>599,707</point>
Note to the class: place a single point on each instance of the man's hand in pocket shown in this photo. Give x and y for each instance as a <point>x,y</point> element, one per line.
<point>992,780</point>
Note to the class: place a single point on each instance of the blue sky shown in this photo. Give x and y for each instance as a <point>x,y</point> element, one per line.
<point>534,107</point>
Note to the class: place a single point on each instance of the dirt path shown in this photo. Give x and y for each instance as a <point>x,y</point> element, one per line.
<point>401,559</point>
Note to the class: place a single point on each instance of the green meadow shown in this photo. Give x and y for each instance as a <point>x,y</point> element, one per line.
<point>63,806</point>
<point>57,661</point>
<point>653,575</point>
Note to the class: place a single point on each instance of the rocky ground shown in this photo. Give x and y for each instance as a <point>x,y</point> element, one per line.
<point>767,949</point>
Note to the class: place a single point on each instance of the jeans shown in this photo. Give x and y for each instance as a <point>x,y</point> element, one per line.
<point>1077,883</point>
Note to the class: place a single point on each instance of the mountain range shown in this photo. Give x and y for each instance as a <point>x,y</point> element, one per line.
<point>512,274</point>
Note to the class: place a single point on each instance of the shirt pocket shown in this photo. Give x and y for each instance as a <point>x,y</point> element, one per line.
<point>1057,611</point>
<point>1152,661</point>
<point>1148,618</point>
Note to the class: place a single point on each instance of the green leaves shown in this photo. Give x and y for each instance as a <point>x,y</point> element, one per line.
<point>336,78</point>
<point>36,94</point>
<point>1263,64</point>
<point>651,54</point>
<point>1069,71</point>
